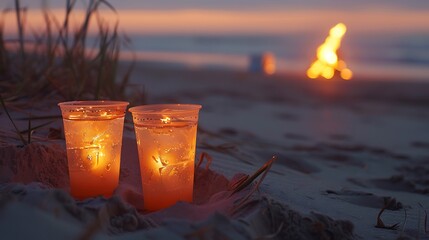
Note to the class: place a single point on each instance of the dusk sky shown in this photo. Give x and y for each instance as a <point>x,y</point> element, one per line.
<point>257,17</point>
<point>247,4</point>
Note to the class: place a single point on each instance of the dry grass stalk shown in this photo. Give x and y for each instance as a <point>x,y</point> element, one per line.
<point>249,179</point>
<point>60,61</point>
<point>425,221</point>
<point>380,223</point>
<point>246,180</point>
<point>204,155</point>
<point>13,123</point>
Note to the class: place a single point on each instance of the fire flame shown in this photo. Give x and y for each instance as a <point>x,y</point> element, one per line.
<point>327,59</point>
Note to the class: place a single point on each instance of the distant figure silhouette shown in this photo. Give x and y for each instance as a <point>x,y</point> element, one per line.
<point>263,63</point>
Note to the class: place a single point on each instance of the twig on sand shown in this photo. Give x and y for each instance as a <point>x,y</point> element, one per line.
<point>380,223</point>
<point>405,223</point>
<point>426,219</point>
<point>201,159</point>
<point>248,180</point>
<point>244,181</point>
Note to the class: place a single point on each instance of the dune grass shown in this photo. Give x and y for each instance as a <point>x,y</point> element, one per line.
<point>62,61</point>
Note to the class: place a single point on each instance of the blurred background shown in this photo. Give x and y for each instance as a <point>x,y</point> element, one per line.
<point>388,39</point>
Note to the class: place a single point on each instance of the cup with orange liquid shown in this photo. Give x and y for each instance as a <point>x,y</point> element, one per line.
<point>166,138</point>
<point>93,132</point>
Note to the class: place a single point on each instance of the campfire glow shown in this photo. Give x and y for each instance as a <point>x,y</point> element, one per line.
<point>328,63</point>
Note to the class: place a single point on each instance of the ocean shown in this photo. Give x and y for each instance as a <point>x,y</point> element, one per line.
<point>400,56</point>
<point>384,38</point>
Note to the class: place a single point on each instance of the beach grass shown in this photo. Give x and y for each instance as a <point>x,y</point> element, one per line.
<point>64,61</point>
<point>61,62</point>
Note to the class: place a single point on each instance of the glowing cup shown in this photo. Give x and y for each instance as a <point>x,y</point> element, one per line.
<point>166,137</point>
<point>93,131</point>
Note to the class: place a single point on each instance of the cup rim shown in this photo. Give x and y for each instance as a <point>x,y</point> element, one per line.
<point>94,103</point>
<point>165,109</point>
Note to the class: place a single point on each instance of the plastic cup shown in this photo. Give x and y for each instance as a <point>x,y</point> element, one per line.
<point>93,132</point>
<point>166,138</point>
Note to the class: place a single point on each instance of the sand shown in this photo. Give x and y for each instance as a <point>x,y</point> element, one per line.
<point>345,150</point>
<point>40,204</point>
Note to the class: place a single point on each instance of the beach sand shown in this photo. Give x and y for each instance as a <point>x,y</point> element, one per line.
<point>345,151</point>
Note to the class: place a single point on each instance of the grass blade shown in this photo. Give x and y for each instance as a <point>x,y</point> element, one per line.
<point>11,120</point>
<point>62,60</point>
<point>265,168</point>
<point>40,117</point>
<point>20,28</point>
<point>29,130</point>
<point>108,5</point>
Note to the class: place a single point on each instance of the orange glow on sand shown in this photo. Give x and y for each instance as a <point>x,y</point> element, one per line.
<point>328,63</point>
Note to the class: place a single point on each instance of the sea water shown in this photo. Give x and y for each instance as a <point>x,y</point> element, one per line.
<point>397,55</point>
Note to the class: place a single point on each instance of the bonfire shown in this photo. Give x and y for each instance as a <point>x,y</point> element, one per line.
<point>328,62</point>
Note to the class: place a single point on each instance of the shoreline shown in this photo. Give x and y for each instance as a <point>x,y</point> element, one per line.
<point>390,72</point>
